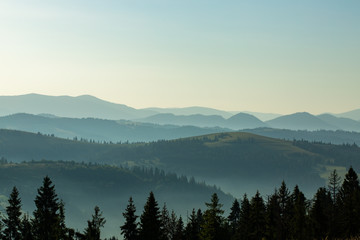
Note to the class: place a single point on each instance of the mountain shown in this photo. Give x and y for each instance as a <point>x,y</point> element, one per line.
<point>83,186</point>
<point>243,121</point>
<point>229,160</point>
<point>342,123</point>
<point>236,122</point>
<point>354,114</point>
<point>263,116</point>
<point>192,111</point>
<point>99,129</point>
<point>300,121</point>
<point>66,106</point>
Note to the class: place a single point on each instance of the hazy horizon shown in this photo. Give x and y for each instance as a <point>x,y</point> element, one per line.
<point>272,57</point>
<point>184,107</point>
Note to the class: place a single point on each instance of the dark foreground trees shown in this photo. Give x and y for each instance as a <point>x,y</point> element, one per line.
<point>333,213</point>
<point>12,223</point>
<point>150,221</point>
<point>130,229</point>
<point>46,222</point>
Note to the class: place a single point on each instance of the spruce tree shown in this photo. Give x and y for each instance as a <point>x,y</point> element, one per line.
<point>320,213</point>
<point>193,227</point>
<point>13,222</point>
<point>349,204</point>
<point>212,227</point>
<point>244,221</point>
<point>26,228</point>
<point>130,229</point>
<point>172,226</point>
<point>166,224</point>
<point>257,217</point>
<point>46,222</point>
<point>298,228</point>
<point>234,217</point>
<point>334,188</point>
<point>93,231</point>
<point>285,211</point>
<point>150,220</point>
<point>273,218</point>
<point>334,185</point>
<point>179,230</point>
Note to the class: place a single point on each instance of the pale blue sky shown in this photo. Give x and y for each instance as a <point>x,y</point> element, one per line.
<point>267,56</point>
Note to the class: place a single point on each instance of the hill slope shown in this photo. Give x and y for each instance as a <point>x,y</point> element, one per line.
<point>83,186</point>
<point>237,162</point>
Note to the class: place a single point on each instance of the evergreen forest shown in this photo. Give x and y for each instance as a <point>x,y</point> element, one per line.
<point>332,213</point>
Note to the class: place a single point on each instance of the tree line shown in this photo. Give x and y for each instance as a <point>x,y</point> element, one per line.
<point>333,213</point>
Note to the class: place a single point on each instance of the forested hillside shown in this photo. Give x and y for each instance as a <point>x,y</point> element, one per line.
<point>332,213</point>
<point>82,186</point>
<point>237,162</point>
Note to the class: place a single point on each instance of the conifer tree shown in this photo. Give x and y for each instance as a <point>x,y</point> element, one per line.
<point>273,218</point>
<point>93,231</point>
<point>334,185</point>
<point>172,226</point>
<point>150,220</point>
<point>130,229</point>
<point>193,227</point>
<point>349,201</point>
<point>65,232</point>
<point>46,222</point>
<point>334,188</point>
<point>13,222</point>
<point>257,217</point>
<point>234,217</point>
<point>212,227</point>
<point>320,213</point>
<point>298,223</point>
<point>168,223</point>
<point>179,230</point>
<point>26,228</point>
<point>244,220</point>
<point>285,210</point>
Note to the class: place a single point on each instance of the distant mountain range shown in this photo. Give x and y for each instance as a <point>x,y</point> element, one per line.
<point>90,107</point>
<point>100,129</point>
<point>238,121</point>
<point>66,106</point>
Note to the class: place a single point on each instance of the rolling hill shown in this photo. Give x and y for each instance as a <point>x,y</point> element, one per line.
<point>237,162</point>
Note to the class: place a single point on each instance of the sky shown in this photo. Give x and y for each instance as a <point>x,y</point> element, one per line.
<point>249,55</point>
